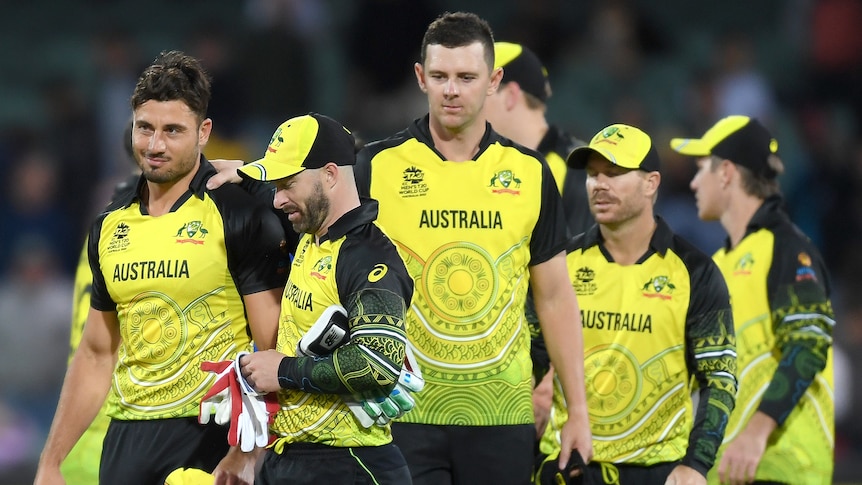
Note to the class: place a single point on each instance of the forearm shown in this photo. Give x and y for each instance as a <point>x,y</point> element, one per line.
<point>796,371</point>
<point>804,321</point>
<point>84,389</point>
<point>712,360</point>
<point>263,309</point>
<point>564,341</point>
<point>351,369</point>
<point>707,433</point>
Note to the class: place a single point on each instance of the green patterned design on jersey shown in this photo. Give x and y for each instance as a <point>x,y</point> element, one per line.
<point>322,417</point>
<point>635,369</point>
<point>458,292</point>
<point>802,451</point>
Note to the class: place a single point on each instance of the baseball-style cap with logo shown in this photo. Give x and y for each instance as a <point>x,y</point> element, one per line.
<point>622,145</point>
<point>521,65</point>
<point>307,141</point>
<point>740,139</point>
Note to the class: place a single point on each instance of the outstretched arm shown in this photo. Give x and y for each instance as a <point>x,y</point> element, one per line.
<point>86,384</point>
<point>559,316</point>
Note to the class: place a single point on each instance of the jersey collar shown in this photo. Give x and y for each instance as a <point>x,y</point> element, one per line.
<point>660,242</point>
<point>557,140</point>
<point>366,213</point>
<point>197,185</point>
<point>421,131</point>
<point>770,214</point>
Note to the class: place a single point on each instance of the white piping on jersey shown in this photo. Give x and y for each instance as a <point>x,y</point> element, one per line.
<point>715,353</point>
<point>810,316</point>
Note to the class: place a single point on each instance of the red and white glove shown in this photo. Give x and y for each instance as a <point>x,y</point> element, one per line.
<point>236,404</point>
<point>223,399</point>
<point>258,412</point>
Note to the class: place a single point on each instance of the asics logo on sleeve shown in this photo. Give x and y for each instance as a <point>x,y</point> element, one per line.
<point>377,273</point>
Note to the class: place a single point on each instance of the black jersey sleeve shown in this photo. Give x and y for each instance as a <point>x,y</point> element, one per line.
<point>362,171</point>
<point>100,299</point>
<point>711,358</point>
<point>550,234</point>
<point>257,249</point>
<point>802,317</point>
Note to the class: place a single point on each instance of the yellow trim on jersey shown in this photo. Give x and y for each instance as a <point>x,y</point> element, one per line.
<point>558,168</point>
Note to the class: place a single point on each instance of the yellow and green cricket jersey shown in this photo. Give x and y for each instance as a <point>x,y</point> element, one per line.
<point>651,330</point>
<point>176,282</point>
<point>780,293</point>
<point>468,232</point>
<point>356,266</point>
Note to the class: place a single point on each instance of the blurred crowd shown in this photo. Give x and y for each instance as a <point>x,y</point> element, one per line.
<point>666,67</point>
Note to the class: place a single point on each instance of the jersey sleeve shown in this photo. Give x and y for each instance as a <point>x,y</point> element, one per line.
<point>100,299</point>
<point>550,234</point>
<point>711,357</point>
<point>362,172</point>
<point>374,287</point>
<point>803,322</point>
<point>255,242</point>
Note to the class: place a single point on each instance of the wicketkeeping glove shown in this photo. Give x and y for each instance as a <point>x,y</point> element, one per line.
<point>330,331</point>
<point>400,400</point>
<point>223,398</point>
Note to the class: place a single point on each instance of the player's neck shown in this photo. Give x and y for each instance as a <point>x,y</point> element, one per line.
<point>735,219</point>
<point>344,200</point>
<point>458,146</point>
<point>531,127</point>
<point>160,198</point>
<point>627,242</point>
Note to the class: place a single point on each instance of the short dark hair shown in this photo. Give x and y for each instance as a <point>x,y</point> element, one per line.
<point>459,29</point>
<point>173,76</point>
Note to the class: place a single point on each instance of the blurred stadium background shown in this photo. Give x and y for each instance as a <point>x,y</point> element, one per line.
<point>671,67</point>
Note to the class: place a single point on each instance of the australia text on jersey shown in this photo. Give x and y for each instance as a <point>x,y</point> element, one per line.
<point>461,219</point>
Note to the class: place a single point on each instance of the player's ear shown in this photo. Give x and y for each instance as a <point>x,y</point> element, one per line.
<point>496,77</point>
<point>204,131</point>
<point>420,76</point>
<point>653,180</point>
<point>512,92</point>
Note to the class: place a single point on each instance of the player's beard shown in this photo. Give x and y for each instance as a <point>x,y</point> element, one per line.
<point>314,213</point>
<point>173,171</point>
